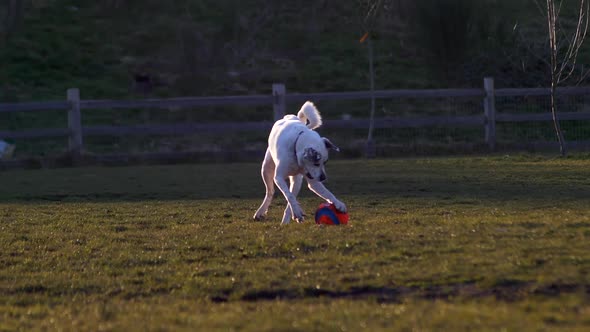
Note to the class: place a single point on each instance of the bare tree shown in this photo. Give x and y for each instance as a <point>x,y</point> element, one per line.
<point>370,10</point>
<point>563,53</point>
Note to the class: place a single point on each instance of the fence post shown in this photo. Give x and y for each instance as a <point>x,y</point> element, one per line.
<point>489,105</point>
<point>278,102</point>
<point>74,124</point>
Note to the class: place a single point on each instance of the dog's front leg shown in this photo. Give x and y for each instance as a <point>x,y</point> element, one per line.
<point>295,188</point>
<point>321,190</point>
<point>291,199</point>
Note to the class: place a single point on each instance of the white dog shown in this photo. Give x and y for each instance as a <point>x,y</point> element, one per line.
<point>295,149</point>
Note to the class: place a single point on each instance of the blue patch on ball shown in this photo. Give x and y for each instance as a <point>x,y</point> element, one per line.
<point>327,214</point>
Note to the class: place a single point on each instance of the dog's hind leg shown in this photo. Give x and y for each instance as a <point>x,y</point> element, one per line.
<point>294,188</point>
<point>267,172</point>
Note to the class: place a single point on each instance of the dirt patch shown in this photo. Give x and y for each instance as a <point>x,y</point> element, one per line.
<point>508,292</point>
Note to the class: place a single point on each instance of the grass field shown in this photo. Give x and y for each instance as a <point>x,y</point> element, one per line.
<point>498,243</point>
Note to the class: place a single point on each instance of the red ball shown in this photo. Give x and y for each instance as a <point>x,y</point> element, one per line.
<point>327,214</point>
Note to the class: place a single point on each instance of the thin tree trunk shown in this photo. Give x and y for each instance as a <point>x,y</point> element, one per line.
<point>555,74</point>
<point>370,149</point>
<point>556,125</point>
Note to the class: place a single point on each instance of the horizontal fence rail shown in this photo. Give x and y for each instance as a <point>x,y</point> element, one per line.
<point>542,117</point>
<point>34,106</point>
<point>486,120</point>
<point>409,122</point>
<point>177,102</point>
<point>291,97</point>
<point>384,94</point>
<point>223,127</point>
<point>563,91</point>
<point>176,129</point>
<point>36,133</point>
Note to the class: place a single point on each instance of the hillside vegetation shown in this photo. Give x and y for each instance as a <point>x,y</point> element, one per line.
<point>122,48</point>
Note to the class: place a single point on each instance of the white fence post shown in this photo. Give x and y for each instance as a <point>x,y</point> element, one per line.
<point>74,123</point>
<point>489,106</point>
<point>279,102</point>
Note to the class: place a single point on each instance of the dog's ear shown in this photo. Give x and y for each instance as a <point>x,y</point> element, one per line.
<point>330,145</point>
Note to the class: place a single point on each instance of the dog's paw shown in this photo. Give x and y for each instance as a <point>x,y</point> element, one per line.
<point>259,216</point>
<point>339,206</point>
<point>298,214</point>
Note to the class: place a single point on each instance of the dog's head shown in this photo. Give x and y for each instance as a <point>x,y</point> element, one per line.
<point>315,156</point>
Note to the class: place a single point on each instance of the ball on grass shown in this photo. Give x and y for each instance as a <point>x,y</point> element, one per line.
<point>326,214</point>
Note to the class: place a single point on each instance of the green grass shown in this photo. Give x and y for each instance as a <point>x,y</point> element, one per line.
<point>434,244</point>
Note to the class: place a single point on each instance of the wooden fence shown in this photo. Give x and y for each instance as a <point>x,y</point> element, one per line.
<point>279,98</point>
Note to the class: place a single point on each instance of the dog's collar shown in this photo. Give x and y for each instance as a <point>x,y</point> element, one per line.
<point>295,146</point>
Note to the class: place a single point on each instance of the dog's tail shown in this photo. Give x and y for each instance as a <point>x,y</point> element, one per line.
<point>309,112</point>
